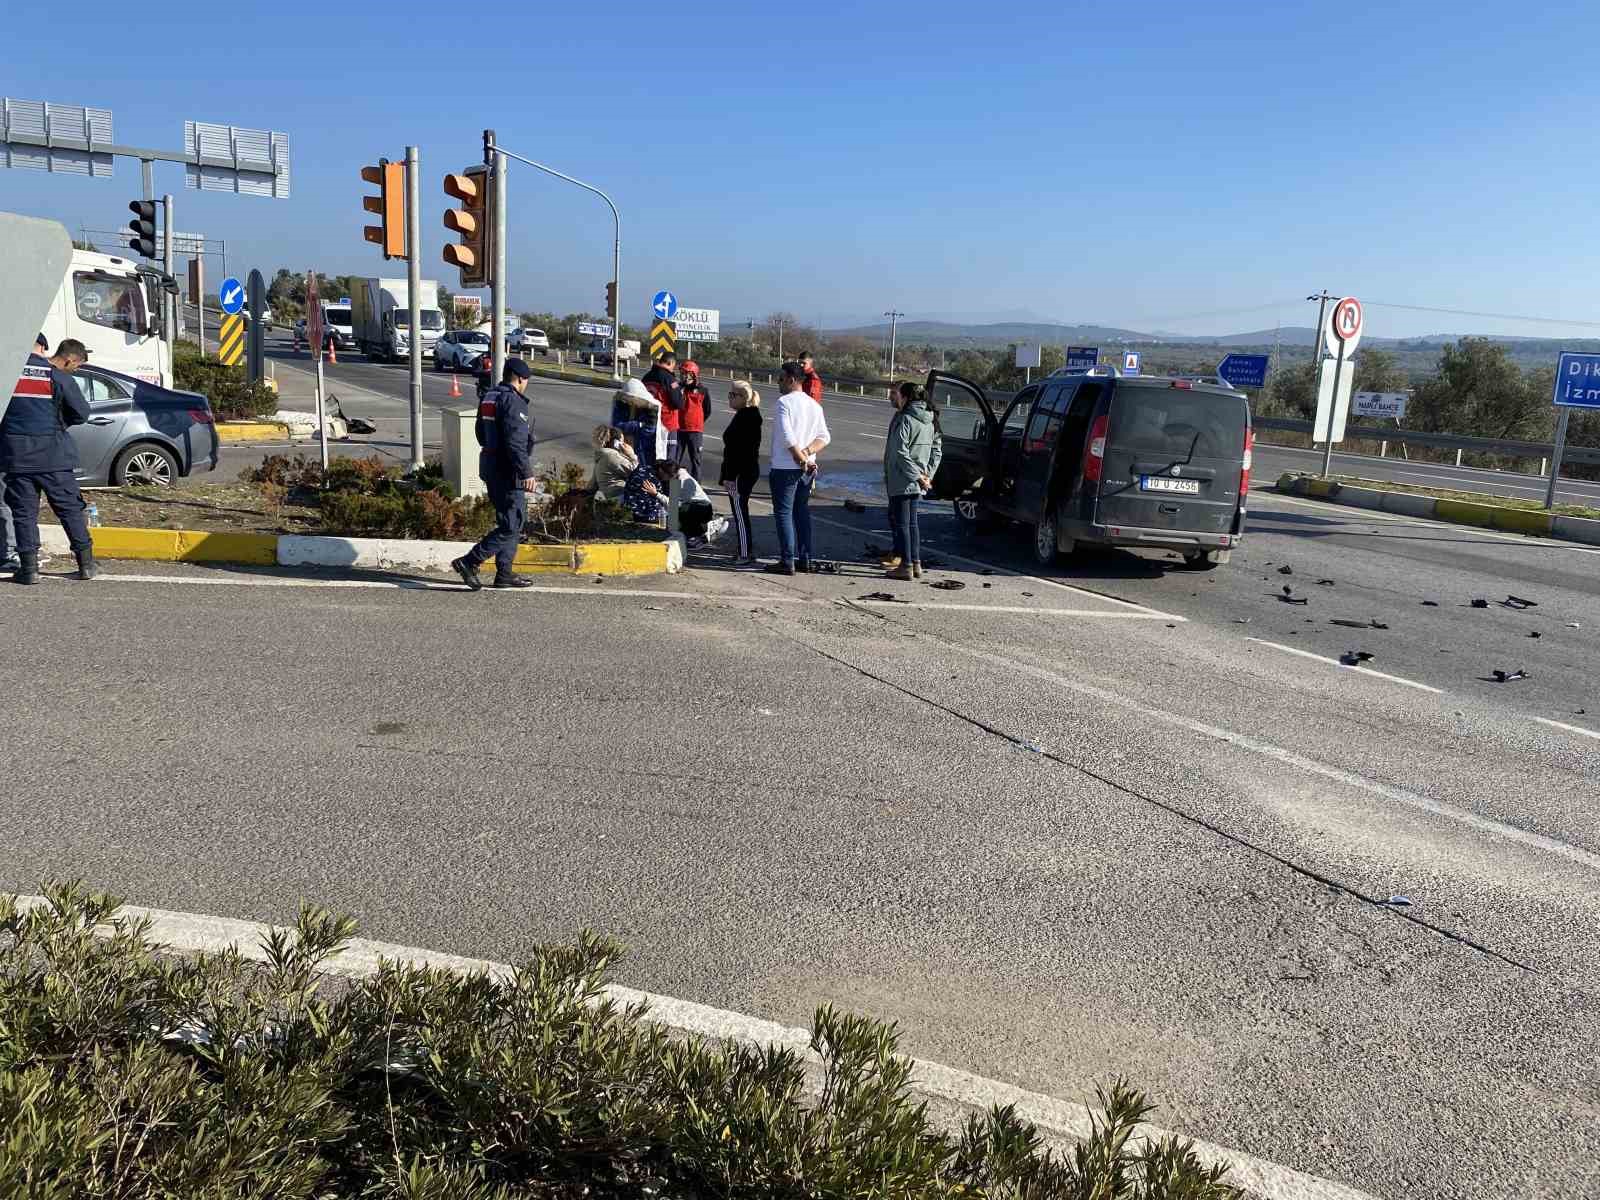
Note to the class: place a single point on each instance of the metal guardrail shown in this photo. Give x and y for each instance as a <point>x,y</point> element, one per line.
<point>1587,455</point>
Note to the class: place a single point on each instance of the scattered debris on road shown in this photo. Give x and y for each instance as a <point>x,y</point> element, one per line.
<point>1508,676</point>
<point>949,585</point>
<point>854,506</point>
<point>1241,620</point>
<point>1400,901</point>
<point>1479,602</point>
<point>1573,625</point>
<point>887,597</point>
<point>1324,583</point>
<point>1288,596</point>
<point>1286,569</point>
<point>1535,634</point>
<point>1518,602</point>
<point>1430,604</point>
<point>1354,658</point>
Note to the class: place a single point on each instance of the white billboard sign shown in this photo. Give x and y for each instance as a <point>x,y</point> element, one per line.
<point>1379,404</point>
<point>698,324</point>
<point>1028,354</point>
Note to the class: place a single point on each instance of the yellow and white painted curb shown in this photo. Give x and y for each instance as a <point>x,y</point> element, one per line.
<point>1454,512</point>
<point>376,554</point>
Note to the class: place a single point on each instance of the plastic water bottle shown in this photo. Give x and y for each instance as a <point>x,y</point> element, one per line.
<point>94,514</point>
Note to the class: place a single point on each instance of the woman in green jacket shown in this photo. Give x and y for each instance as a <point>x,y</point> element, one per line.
<point>911,454</point>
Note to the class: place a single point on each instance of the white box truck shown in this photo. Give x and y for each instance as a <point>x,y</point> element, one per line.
<point>113,308</point>
<point>381,316</point>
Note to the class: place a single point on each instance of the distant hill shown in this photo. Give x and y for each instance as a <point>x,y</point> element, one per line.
<point>955,336</point>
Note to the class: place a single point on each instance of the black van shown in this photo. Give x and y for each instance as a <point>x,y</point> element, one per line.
<point>1098,458</point>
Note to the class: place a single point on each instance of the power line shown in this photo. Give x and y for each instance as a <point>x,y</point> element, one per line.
<point>1216,312</point>
<point>1467,312</point>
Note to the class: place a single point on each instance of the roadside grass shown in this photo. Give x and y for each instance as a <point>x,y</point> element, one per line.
<point>130,1072</point>
<point>1565,510</point>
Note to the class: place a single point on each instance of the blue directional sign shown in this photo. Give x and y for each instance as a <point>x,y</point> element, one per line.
<point>1578,381</point>
<point>1244,370</point>
<point>665,306</point>
<point>1130,363</point>
<point>231,293</point>
<point>1082,356</point>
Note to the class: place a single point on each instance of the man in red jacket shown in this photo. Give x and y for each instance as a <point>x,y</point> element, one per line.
<point>692,422</point>
<point>661,381</point>
<point>812,386</point>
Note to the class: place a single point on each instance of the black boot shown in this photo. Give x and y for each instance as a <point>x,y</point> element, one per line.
<point>512,581</point>
<point>468,573</point>
<point>87,568</point>
<point>28,572</point>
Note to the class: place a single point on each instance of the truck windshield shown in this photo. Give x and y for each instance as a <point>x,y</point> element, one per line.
<point>432,318</point>
<point>338,316</point>
<point>1164,421</point>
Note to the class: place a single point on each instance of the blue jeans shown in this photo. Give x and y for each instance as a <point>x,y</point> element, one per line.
<point>903,520</point>
<point>791,510</point>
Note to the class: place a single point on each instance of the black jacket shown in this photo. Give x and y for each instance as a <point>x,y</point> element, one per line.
<point>664,384</point>
<point>33,436</point>
<point>505,431</point>
<point>741,446</point>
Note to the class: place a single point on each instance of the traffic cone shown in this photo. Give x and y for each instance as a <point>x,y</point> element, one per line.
<point>455,387</point>
<point>333,353</point>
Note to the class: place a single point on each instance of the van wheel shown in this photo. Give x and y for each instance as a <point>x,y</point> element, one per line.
<point>1203,560</point>
<point>1045,550</point>
<point>970,515</point>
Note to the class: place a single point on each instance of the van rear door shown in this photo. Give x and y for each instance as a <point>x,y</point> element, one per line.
<point>967,420</point>
<point>1173,456</point>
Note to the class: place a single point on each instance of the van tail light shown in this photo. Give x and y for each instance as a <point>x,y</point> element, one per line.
<point>201,416</point>
<point>1244,471</point>
<point>1094,453</point>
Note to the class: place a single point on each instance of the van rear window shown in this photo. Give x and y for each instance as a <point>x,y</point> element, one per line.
<point>1165,421</point>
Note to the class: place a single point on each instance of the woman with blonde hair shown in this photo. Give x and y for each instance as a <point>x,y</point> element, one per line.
<point>741,461</point>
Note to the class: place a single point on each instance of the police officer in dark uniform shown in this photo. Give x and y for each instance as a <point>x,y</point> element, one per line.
<point>38,455</point>
<point>505,431</point>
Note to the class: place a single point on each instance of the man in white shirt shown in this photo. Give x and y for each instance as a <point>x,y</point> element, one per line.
<point>799,433</point>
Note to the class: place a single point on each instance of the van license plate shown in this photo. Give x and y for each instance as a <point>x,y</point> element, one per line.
<point>1161,483</point>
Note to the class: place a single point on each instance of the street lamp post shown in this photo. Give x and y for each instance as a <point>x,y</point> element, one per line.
<point>894,316</point>
<point>616,254</point>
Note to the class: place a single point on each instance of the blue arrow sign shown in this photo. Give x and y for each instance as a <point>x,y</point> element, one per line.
<point>231,293</point>
<point>1082,356</point>
<point>665,306</point>
<point>1578,381</point>
<point>1244,370</point>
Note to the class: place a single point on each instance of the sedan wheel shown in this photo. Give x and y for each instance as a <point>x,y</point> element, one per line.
<point>145,466</point>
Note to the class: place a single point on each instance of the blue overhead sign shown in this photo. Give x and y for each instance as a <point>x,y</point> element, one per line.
<point>665,306</point>
<point>1578,381</point>
<point>1083,356</point>
<point>1244,370</point>
<point>231,294</point>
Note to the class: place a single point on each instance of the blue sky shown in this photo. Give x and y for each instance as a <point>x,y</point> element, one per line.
<point>1073,162</point>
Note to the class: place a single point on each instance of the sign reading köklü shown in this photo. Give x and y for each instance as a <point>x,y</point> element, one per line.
<point>698,324</point>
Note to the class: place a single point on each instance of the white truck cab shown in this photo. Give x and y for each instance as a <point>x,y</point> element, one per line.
<point>113,308</point>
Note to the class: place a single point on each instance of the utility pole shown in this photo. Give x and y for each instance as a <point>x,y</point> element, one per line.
<point>780,339</point>
<point>169,302</point>
<point>894,316</point>
<point>413,289</point>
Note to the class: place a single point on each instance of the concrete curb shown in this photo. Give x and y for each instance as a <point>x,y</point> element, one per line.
<point>234,432</point>
<point>380,554</point>
<point>951,1094</point>
<point>1452,512</point>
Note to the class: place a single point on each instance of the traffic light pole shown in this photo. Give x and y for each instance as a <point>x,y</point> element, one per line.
<point>616,251</point>
<point>169,302</point>
<point>497,172</point>
<point>414,289</point>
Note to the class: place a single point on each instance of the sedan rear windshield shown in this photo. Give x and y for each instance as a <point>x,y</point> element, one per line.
<point>1164,422</point>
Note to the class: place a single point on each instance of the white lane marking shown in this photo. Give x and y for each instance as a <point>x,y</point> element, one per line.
<point>362,957</point>
<point>1569,728</point>
<point>1333,662</point>
<point>1360,515</point>
<point>1276,753</point>
<point>422,585</point>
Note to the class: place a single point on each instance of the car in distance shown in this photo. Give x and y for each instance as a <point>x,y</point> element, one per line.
<point>1098,458</point>
<point>141,433</point>
<point>527,340</point>
<point>458,349</point>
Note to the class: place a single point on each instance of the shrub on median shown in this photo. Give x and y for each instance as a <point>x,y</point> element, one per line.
<point>232,395</point>
<point>131,1074</point>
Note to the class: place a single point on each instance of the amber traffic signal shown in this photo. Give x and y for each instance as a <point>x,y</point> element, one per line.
<point>389,204</point>
<point>472,221</point>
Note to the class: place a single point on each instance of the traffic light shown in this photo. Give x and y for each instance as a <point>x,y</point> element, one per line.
<point>389,204</point>
<point>472,221</point>
<point>143,227</point>
<point>611,297</point>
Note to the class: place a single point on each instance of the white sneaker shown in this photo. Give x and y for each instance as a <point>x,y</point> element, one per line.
<point>717,529</point>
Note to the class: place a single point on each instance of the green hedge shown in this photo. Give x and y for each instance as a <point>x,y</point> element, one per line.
<point>232,395</point>
<point>124,1073</point>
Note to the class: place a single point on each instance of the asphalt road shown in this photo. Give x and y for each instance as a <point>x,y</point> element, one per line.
<point>566,412</point>
<point>1057,827</point>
